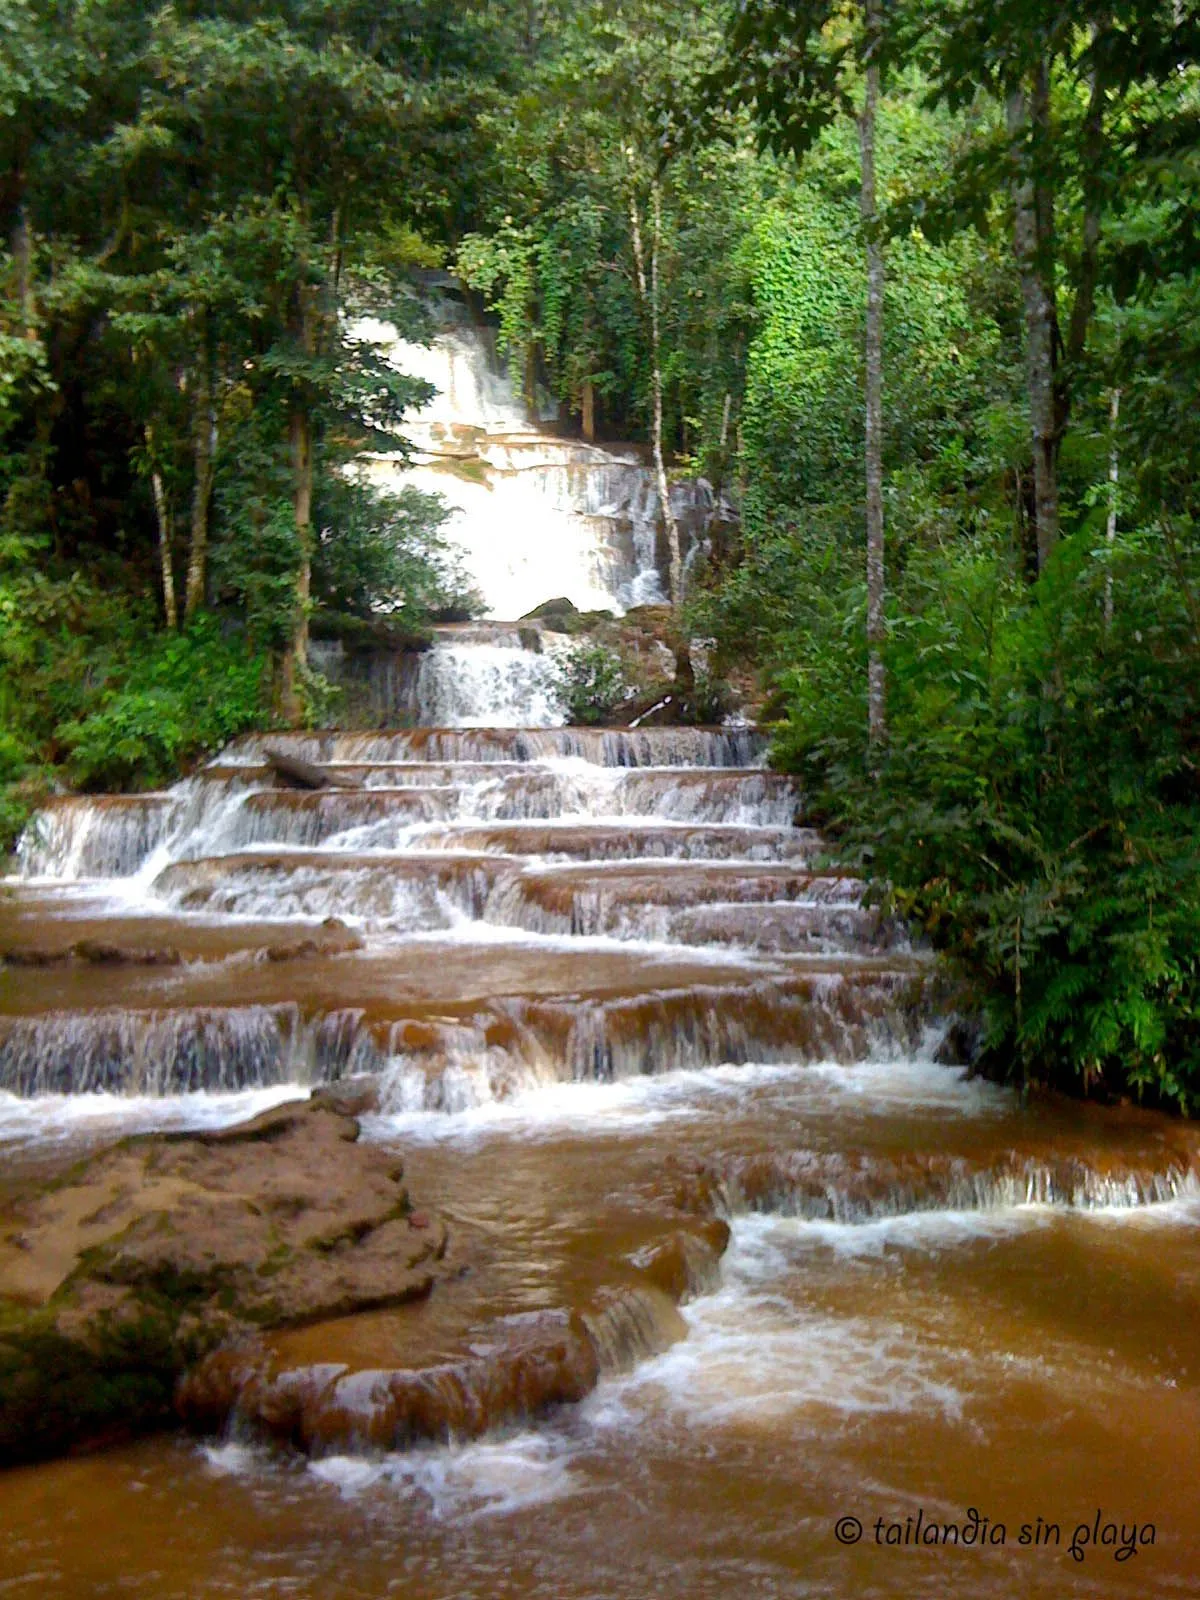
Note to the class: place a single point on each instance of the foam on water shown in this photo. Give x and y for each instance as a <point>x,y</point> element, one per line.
<point>492,1477</point>
<point>233,1459</point>
<point>633,1104</point>
<point>756,1352</point>
<point>54,1118</point>
<point>919,1231</point>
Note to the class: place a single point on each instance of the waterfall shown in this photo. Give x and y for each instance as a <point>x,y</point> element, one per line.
<point>536,514</point>
<point>604,997</point>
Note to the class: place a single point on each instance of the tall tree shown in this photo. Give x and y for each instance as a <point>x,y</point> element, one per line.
<point>796,68</point>
<point>873,442</point>
<point>1066,150</point>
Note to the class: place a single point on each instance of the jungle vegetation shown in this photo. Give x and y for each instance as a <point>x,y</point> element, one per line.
<point>915,285</point>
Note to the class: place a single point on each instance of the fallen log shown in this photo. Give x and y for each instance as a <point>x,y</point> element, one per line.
<point>304,775</point>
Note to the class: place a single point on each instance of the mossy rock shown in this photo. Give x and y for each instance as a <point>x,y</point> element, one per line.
<point>116,1276</point>
<point>560,607</point>
<point>62,1391</point>
<point>364,635</point>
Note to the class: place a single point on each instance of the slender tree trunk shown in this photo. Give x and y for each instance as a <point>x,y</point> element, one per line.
<point>204,442</point>
<point>166,537</point>
<point>1114,482</point>
<point>649,292</point>
<point>876,684</point>
<point>1028,127</point>
<point>588,402</point>
<point>300,445</point>
<point>21,244</point>
<point>296,656</point>
<point>1091,175</point>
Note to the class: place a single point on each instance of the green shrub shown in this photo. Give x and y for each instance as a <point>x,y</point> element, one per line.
<point>190,693</point>
<point>1036,811</point>
<point>591,681</point>
<point>16,793</point>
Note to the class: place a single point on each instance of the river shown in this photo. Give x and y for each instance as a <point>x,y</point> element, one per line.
<point>952,1346</point>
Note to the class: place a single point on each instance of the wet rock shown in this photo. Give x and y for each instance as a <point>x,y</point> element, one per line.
<point>95,953</point>
<point>34,956</point>
<point>513,1369</point>
<point>688,1261</point>
<point>293,951</point>
<point>117,1279</point>
<point>99,954</point>
<point>558,607</point>
<point>333,938</point>
<point>962,1043</point>
<point>352,1097</point>
<point>528,1364</point>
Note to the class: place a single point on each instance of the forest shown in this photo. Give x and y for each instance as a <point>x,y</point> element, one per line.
<point>916,286</point>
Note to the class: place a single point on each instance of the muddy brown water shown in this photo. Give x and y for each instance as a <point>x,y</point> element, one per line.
<point>942,1314</point>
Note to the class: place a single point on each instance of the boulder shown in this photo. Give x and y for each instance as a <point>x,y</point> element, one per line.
<point>560,607</point>
<point>116,1279</point>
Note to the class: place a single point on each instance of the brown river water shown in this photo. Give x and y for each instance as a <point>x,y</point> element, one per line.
<point>952,1347</point>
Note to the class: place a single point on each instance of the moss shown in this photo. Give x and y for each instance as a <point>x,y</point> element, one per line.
<point>58,1392</point>
<point>280,1257</point>
<point>470,469</point>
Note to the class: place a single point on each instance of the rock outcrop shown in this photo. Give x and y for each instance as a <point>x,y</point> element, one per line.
<point>120,1276</point>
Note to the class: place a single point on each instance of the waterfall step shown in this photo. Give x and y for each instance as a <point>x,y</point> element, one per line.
<point>489,908</point>
<point>452,1019</point>
<point>607,747</point>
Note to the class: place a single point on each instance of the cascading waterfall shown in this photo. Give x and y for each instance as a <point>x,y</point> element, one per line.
<point>606,747</point>
<point>536,515</point>
<point>665,1069</point>
<point>109,836</point>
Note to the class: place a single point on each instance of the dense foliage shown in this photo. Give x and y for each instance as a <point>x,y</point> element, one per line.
<point>1035,807</point>
<point>664,208</point>
<point>590,682</point>
<point>198,205</point>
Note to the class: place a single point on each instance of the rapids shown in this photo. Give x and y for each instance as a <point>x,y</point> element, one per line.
<point>617,1009</point>
<point>606,982</point>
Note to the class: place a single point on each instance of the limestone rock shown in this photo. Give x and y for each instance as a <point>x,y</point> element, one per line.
<point>117,1278</point>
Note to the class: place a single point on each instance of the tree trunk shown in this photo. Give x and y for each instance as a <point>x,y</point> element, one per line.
<point>649,292</point>
<point>21,245</point>
<point>296,656</point>
<point>1028,127</point>
<point>166,537</point>
<point>876,685</point>
<point>204,441</point>
<point>300,445</point>
<point>1114,484</point>
<point>1084,305</point>
<point>588,401</point>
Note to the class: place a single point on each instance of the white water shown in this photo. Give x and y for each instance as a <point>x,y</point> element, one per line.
<point>60,1118</point>
<point>537,515</point>
<point>499,685</point>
